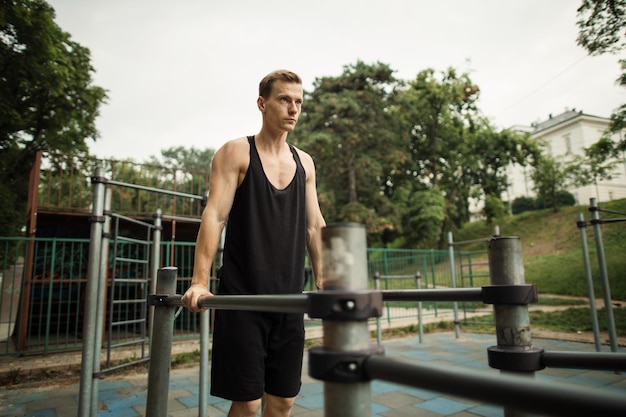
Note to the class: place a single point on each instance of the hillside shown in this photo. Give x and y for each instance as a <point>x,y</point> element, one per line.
<point>552,250</point>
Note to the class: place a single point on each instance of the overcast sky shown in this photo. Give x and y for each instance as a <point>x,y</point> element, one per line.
<point>186,72</point>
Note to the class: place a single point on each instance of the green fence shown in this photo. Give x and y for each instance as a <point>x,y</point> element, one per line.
<point>41,307</point>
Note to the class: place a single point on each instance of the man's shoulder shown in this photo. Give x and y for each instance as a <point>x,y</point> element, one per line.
<point>235,152</point>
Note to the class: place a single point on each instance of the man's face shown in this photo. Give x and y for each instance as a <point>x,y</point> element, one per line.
<point>282,108</point>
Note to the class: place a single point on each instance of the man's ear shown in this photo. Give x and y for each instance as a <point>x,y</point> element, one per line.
<point>260,102</point>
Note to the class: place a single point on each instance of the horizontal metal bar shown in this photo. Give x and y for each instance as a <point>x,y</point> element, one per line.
<point>443,294</point>
<point>132,261</point>
<point>123,365</point>
<point>132,220</point>
<point>609,361</point>
<point>132,240</point>
<point>181,218</point>
<point>128,301</point>
<point>130,280</point>
<point>396,276</point>
<point>137,341</point>
<point>287,303</point>
<point>155,190</point>
<point>504,389</point>
<point>467,242</point>
<point>122,323</point>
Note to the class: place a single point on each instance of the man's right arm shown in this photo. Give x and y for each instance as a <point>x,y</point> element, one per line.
<point>225,173</point>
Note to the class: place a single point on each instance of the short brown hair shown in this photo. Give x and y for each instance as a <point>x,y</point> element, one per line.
<point>265,86</point>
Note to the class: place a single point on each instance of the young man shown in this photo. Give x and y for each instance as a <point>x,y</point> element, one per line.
<point>265,189</point>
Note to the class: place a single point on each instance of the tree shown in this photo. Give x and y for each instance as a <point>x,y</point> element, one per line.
<point>550,178</point>
<point>347,126</point>
<point>602,26</point>
<point>47,99</point>
<point>599,163</point>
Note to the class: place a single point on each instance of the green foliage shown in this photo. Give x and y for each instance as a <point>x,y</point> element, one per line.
<point>522,204</point>
<point>601,30</point>
<point>47,99</point>
<point>494,208</point>
<point>550,177</point>
<point>404,158</point>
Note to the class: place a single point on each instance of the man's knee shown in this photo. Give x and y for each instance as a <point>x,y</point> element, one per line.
<point>244,408</point>
<point>277,406</point>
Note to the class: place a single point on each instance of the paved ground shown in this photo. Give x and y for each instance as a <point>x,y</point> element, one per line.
<point>126,396</point>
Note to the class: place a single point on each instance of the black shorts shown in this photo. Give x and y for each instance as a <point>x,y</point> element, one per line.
<point>256,352</point>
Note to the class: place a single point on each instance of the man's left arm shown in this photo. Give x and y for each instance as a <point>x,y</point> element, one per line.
<point>314,221</point>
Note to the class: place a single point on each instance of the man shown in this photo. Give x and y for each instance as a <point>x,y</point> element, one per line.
<point>265,189</point>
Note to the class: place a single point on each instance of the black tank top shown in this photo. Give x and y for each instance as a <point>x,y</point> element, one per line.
<point>265,246</point>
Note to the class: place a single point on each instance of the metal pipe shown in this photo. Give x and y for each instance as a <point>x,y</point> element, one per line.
<point>297,303</point>
<point>504,389</point>
<point>91,298</point>
<point>604,276</point>
<point>443,294</point>
<point>102,285</point>
<point>344,261</point>
<point>161,348</point>
<point>608,361</point>
<point>589,280</point>
<point>379,335</point>
<point>155,262</point>
<point>506,267</point>
<point>455,306</point>
<point>420,325</point>
<point>155,190</point>
<point>203,393</point>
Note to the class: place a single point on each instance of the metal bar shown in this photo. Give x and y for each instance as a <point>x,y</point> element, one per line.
<point>203,393</point>
<point>155,190</point>
<point>181,218</point>
<point>344,255</point>
<point>437,294</point>
<point>589,280</point>
<point>101,302</point>
<point>604,276</point>
<point>161,348</point>
<point>296,303</point>
<point>91,301</point>
<point>133,240</point>
<point>609,361</point>
<point>511,391</point>
<point>467,242</point>
<point>455,306</point>
<point>131,261</point>
<point>131,220</point>
<point>512,322</point>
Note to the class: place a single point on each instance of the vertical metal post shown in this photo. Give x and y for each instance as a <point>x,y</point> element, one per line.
<point>161,347</point>
<point>102,283</point>
<point>91,296</point>
<point>344,258</point>
<point>506,267</point>
<point>155,262</point>
<point>604,276</point>
<point>379,335</point>
<point>203,394</point>
<point>455,305</point>
<point>592,298</point>
<point>420,325</point>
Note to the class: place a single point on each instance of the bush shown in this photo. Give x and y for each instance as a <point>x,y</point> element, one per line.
<point>522,204</point>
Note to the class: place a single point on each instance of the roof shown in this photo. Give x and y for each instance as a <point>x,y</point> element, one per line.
<point>559,119</point>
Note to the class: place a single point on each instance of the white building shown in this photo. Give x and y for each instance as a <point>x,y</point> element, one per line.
<point>567,135</point>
